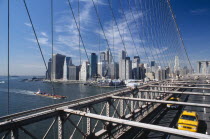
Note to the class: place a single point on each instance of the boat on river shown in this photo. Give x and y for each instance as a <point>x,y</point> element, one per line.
<point>39,93</point>
<point>2,82</point>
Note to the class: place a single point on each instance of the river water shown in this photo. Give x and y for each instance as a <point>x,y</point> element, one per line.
<point>22,97</point>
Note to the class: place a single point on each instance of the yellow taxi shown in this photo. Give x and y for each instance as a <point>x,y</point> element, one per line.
<point>173,106</point>
<point>188,120</point>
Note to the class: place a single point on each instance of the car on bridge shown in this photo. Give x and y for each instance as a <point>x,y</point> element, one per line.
<point>173,106</point>
<point>188,120</point>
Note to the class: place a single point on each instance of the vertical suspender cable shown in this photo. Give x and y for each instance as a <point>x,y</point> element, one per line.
<point>179,33</point>
<point>80,60</point>
<point>78,29</point>
<point>52,41</point>
<point>37,40</point>
<point>8,64</point>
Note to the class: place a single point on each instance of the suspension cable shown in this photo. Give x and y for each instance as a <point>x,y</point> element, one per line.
<point>37,40</point>
<point>8,64</point>
<point>52,43</point>
<point>71,9</point>
<point>117,26</point>
<point>99,20</point>
<point>126,20</point>
<point>179,32</point>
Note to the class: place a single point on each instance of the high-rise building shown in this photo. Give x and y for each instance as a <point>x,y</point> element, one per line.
<point>102,56</point>
<point>73,72</point>
<point>108,56</point>
<point>122,55</point>
<point>113,71</point>
<point>142,71</point>
<point>84,71</point>
<point>102,68</point>
<point>67,63</point>
<point>48,72</point>
<point>158,74</point>
<point>152,63</point>
<point>65,70</point>
<point>176,66</point>
<point>125,68</point>
<point>93,65</point>
<point>57,66</point>
<point>135,67</point>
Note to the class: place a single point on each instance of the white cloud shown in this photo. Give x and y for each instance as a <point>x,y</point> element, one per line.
<point>44,34</point>
<point>199,11</point>
<point>27,24</point>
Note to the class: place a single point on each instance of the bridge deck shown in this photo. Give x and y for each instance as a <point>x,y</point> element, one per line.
<point>121,107</point>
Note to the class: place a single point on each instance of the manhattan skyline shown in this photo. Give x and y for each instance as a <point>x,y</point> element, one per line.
<point>66,38</point>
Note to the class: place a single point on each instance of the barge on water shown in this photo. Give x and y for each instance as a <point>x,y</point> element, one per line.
<point>39,93</point>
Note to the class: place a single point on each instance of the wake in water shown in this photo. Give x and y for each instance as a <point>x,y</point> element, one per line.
<point>1,82</point>
<point>19,91</point>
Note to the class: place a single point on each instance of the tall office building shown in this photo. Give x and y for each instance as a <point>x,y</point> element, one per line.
<point>93,65</point>
<point>65,70</point>
<point>176,66</point>
<point>84,71</point>
<point>102,56</point>
<point>125,68</point>
<point>57,66</point>
<point>48,72</point>
<point>122,55</point>
<point>152,63</point>
<point>142,71</point>
<point>113,71</point>
<point>108,56</point>
<point>73,72</point>
<point>102,68</point>
<point>135,67</point>
<point>67,63</point>
<point>158,74</point>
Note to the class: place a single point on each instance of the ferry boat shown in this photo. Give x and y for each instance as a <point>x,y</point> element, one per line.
<point>39,93</point>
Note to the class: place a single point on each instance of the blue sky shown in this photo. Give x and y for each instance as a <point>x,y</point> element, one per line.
<point>193,17</point>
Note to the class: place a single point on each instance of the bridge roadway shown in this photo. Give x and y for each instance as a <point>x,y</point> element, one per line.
<point>166,118</point>
<point>169,117</point>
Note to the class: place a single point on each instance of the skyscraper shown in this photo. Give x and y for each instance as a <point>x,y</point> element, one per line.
<point>48,72</point>
<point>65,70</point>
<point>152,63</point>
<point>84,71</point>
<point>73,72</point>
<point>135,67</point>
<point>93,65</point>
<point>57,66</point>
<point>102,56</point>
<point>125,68</point>
<point>122,55</point>
<point>67,63</point>
<point>102,68</point>
<point>108,56</point>
<point>176,66</point>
